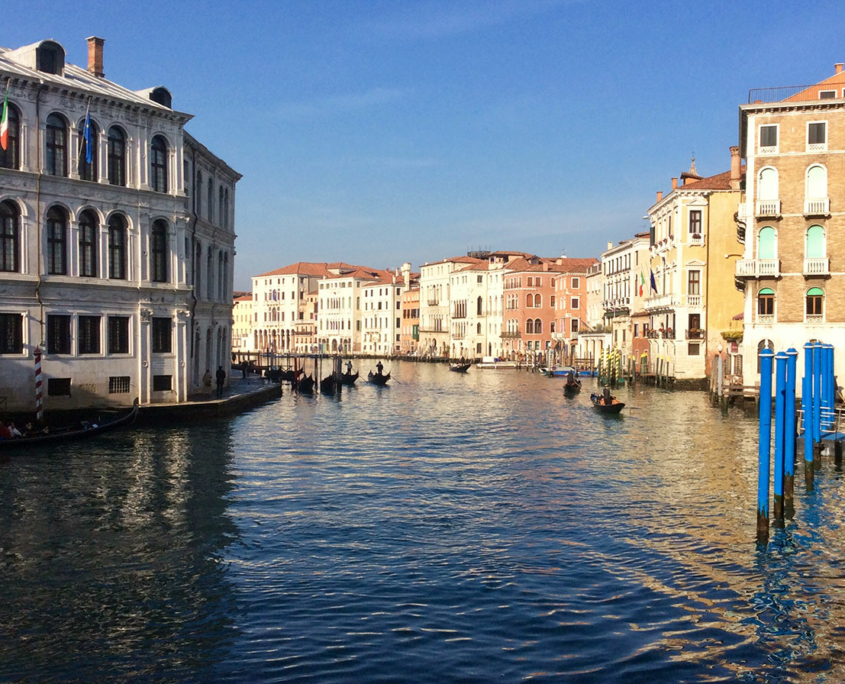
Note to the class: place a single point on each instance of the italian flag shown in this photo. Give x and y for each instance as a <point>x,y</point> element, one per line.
<point>4,121</point>
<point>642,283</point>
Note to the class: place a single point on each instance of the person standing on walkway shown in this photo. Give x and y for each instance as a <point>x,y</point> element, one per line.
<point>221,378</point>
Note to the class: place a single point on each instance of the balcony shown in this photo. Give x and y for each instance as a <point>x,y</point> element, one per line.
<point>819,206</point>
<point>816,267</point>
<point>694,300</point>
<point>768,208</point>
<point>508,335</point>
<point>800,93</point>
<point>757,268</point>
<point>765,319</point>
<point>660,302</point>
<point>696,239</point>
<point>695,334</point>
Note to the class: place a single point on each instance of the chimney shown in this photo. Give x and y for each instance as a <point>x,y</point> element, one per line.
<point>674,184</point>
<point>659,195</point>
<point>610,245</point>
<point>735,167</point>
<point>545,265</point>
<point>95,56</point>
<point>837,68</point>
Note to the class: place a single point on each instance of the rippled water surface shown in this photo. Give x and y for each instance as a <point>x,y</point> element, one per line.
<point>446,528</point>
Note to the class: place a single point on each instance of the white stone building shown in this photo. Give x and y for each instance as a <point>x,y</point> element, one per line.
<point>96,263</point>
<point>477,293</point>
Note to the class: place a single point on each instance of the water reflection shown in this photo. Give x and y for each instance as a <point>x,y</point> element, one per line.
<point>112,556</point>
<point>446,528</point>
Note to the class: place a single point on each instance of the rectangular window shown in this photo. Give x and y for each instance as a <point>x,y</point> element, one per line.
<point>162,335</point>
<point>89,334</point>
<point>11,333</point>
<point>766,305</point>
<point>574,323</point>
<point>58,387</point>
<point>162,383</point>
<point>694,283</point>
<point>817,134</point>
<point>118,334</point>
<point>693,349</point>
<point>827,94</point>
<point>58,335</point>
<point>575,303</point>
<point>576,283</point>
<point>695,222</point>
<point>119,384</point>
<point>768,138</point>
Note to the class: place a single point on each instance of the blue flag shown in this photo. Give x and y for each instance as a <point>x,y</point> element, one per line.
<point>86,135</point>
<point>653,284</point>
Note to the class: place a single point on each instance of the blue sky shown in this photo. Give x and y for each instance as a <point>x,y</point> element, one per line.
<point>386,131</point>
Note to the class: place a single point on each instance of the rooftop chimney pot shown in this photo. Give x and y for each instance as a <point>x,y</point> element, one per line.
<point>837,68</point>
<point>674,184</point>
<point>659,195</point>
<point>736,168</point>
<point>95,56</point>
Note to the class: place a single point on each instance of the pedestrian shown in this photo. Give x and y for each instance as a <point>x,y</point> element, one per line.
<point>206,382</point>
<point>243,369</point>
<point>221,378</point>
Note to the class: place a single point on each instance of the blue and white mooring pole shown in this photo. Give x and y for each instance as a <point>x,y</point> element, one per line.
<point>764,446</point>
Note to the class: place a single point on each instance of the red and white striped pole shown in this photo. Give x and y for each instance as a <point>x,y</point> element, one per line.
<point>39,407</point>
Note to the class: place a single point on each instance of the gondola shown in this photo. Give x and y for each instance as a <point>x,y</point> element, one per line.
<point>86,430</point>
<point>306,384</point>
<point>601,407</point>
<point>349,378</point>
<point>328,385</point>
<point>459,367</point>
<point>378,378</point>
<point>572,387</point>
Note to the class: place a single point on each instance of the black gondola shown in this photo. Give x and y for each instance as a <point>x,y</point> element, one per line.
<point>572,387</point>
<point>459,367</point>
<point>87,429</point>
<point>598,403</point>
<point>328,385</point>
<point>306,384</point>
<point>378,378</point>
<point>349,378</point>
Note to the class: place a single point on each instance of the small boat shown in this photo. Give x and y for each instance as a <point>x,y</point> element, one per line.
<point>559,371</point>
<point>328,385</point>
<point>349,378</point>
<point>87,429</point>
<point>459,367</point>
<point>572,387</point>
<point>378,378</point>
<point>598,403</point>
<point>306,384</point>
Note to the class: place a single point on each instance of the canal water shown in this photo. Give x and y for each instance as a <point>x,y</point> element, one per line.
<point>446,528</point>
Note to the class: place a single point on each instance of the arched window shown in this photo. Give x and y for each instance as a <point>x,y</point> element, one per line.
<point>117,156</point>
<point>815,302</point>
<point>529,301</point>
<point>766,248</point>
<point>538,327</point>
<point>198,269</point>
<point>226,209</point>
<point>538,301</point>
<point>158,164</point>
<point>10,219</point>
<point>766,302</point>
<point>210,200</point>
<point>478,329</point>
<point>88,230</point>
<point>220,215</point>
<point>117,247</point>
<point>479,303</point>
<point>10,158</point>
<point>57,241</point>
<point>815,247</point>
<point>209,272</point>
<point>529,326</point>
<point>199,193</point>
<point>55,162</point>
<point>159,252</point>
<point>767,184</point>
<point>88,146</point>
<point>816,182</point>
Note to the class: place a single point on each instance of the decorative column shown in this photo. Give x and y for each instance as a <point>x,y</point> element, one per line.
<point>142,342</point>
<point>180,369</point>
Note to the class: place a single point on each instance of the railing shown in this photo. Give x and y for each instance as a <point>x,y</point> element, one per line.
<point>814,319</point>
<point>433,302</point>
<point>817,266</point>
<point>695,334</point>
<point>765,319</point>
<point>768,207</point>
<point>819,206</point>
<point>659,302</point>
<point>693,300</point>
<point>696,239</point>
<point>801,93</point>
<point>742,212</point>
<point>755,268</point>
<point>508,335</point>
